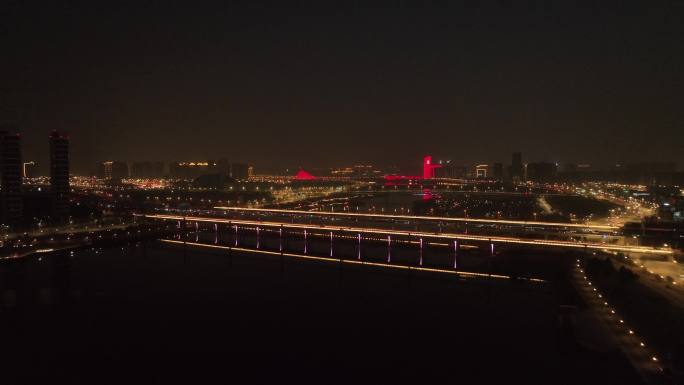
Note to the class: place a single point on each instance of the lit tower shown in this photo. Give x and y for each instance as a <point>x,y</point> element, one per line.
<point>429,168</point>
<point>517,169</point>
<point>10,177</point>
<point>59,175</point>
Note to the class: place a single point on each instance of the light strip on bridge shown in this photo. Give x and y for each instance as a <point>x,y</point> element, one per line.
<point>352,261</point>
<point>453,236</point>
<point>419,217</point>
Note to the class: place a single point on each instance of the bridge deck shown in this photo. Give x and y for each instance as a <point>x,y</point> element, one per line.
<point>336,230</point>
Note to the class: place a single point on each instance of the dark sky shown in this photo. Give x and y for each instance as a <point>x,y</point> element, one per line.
<point>315,85</point>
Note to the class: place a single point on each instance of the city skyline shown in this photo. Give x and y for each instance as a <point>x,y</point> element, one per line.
<point>398,164</point>
<point>405,166</point>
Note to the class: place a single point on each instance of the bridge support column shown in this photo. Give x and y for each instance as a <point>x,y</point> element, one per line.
<point>358,247</point>
<point>230,248</point>
<point>185,250</point>
<point>282,257</point>
<point>489,260</point>
<point>341,264</point>
<point>489,271</point>
<point>455,254</point>
<point>420,260</point>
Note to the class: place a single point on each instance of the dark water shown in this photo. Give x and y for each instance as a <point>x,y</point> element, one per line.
<point>162,314</point>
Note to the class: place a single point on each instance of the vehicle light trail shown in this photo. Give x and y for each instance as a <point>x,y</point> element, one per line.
<point>419,217</point>
<point>449,236</point>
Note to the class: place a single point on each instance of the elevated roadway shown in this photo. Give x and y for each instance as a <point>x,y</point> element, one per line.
<point>360,230</point>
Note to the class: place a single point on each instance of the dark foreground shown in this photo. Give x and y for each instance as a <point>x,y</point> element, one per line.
<point>128,316</point>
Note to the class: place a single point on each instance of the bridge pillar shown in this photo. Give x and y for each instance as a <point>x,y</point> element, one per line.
<point>489,260</point>
<point>489,271</point>
<point>341,262</point>
<point>185,249</point>
<point>359,247</point>
<point>230,247</point>
<point>305,241</point>
<point>420,261</point>
<point>282,257</point>
<point>455,254</point>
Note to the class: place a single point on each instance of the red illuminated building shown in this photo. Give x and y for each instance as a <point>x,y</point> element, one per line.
<point>429,168</point>
<point>428,172</point>
<point>303,175</point>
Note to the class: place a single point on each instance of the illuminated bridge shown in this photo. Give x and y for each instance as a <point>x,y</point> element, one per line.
<point>570,232</point>
<point>376,233</point>
<point>580,226</point>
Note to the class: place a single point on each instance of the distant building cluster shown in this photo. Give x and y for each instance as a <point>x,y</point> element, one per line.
<point>517,171</point>
<point>13,171</point>
<point>358,170</point>
<point>645,173</point>
<point>115,171</point>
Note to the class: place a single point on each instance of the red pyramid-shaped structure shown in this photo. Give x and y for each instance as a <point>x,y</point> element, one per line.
<point>303,175</point>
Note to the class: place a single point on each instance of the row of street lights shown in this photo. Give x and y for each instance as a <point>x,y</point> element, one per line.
<point>620,323</point>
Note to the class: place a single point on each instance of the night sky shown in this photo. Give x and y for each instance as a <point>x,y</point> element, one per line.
<point>314,86</point>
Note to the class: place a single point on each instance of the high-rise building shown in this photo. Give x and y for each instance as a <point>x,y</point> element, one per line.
<point>59,175</point>
<point>481,171</point>
<point>191,170</point>
<point>542,172</point>
<point>497,171</point>
<point>239,171</point>
<point>223,166</point>
<point>517,169</point>
<point>146,169</point>
<point>10,177</point>
<point>449,169</point>
<point>157,170</point>
<point>649,173</point>
<point>113,171</point>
